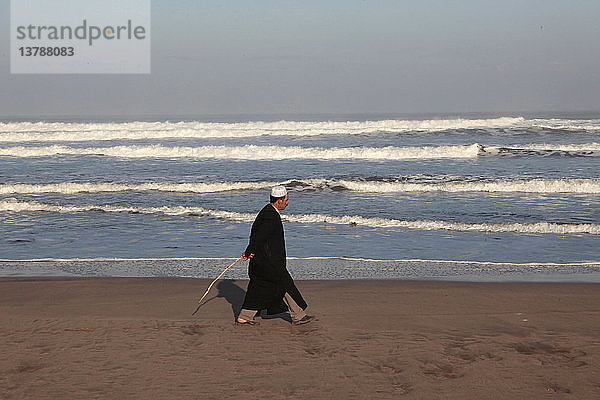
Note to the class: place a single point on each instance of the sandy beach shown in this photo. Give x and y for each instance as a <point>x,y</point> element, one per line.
<point>134,338</point>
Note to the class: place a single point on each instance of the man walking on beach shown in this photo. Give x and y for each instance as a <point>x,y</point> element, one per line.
<point>271,287</point>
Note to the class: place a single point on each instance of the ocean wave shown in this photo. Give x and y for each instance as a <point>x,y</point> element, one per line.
<point>565,147</point>
<point>370,185</point>
<point>529,228</point>
<point>542,149</point>
<point>72,188</point>
<point>559,124</point>
<point>63,131</point>
<point>18,206</point>
<point>582,186</point>
<point>60,131</point>
<point>252,152</point>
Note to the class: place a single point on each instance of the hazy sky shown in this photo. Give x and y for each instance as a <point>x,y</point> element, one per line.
<point>256,57</point>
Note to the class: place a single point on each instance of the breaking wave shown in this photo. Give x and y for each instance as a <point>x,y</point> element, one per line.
<point>72,188</point>
<point>577,150</point>
<point>371,185</point>
<point>252,152</point>
<point>13,205</point>
<point>581,186</point>
<point>62,131</point>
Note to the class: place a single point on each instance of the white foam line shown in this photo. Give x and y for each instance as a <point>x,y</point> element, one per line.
<point>374,222</point>
<point>252,152</point>
<point>353,259</point>
<point>581,186</point>
<point>13,205</point>
<point>88,131</point>
<point>71,188</point>
<point>566,124</point>
<point>563,147</point>
<point>72,132</point>
<point>530,264</point>
<point>579,149</point>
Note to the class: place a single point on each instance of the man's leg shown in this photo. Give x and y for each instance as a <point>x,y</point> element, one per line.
<point>296,312</point>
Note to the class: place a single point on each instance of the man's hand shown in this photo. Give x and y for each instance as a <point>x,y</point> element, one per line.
<point>247,257</point>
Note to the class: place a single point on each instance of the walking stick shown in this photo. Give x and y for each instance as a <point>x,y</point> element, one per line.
<point>213,282</point>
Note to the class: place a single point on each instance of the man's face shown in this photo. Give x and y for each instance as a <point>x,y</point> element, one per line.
<point>281,204</point>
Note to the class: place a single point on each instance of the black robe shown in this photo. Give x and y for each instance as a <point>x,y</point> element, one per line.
<point>269,277</point>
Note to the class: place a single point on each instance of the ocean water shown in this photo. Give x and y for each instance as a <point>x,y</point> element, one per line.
<point>425,197</point>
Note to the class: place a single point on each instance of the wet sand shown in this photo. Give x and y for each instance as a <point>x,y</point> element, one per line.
<point>135,338</point>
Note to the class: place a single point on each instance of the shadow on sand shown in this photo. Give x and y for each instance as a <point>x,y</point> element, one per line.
<point>233,294</point>
<point>235,297</point>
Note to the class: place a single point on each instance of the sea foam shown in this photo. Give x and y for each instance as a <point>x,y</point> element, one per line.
<point>251,152</point>
<point>370,185</point>
<point>88,131</point>
<point>254,152</point>
<point>60,131</point>
<point>71,187</point>
<point>18,206</point>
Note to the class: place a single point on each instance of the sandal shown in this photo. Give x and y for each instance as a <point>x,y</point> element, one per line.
<point>305,320</point>
<point>246,322</point>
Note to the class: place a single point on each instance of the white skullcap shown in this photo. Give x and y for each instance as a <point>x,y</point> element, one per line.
<point>278,191</point>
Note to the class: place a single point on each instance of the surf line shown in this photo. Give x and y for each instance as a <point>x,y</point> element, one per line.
<point>252,152</point>
<point>464,262</point>
<point>17,206</point>
<point>315,258</point>
<point>406,184</point>
<point>70,131</point>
